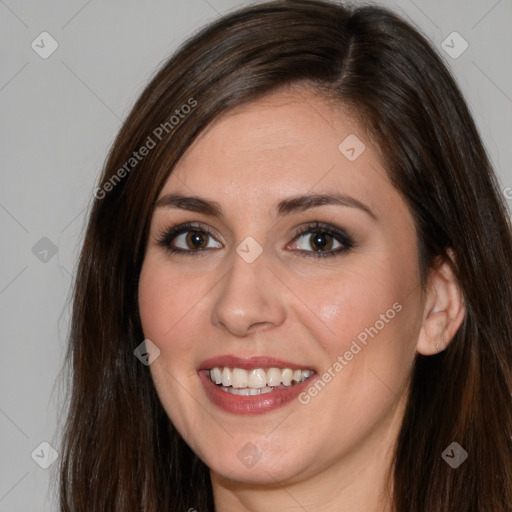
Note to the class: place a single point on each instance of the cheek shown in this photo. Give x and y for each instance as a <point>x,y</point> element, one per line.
<point>168,306</point>
<point>368,358</point>
<point>356,304</point>
<point>167,300</point>
<point>370,313</point>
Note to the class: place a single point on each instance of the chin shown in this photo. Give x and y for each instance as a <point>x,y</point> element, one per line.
<point>258,461</point>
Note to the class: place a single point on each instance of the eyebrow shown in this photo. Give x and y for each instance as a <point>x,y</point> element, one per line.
<point>284,207</point>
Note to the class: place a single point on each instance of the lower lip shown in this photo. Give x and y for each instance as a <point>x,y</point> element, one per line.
<point>256,404</point>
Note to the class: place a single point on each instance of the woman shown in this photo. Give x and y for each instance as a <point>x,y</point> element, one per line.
<point>299,235</point>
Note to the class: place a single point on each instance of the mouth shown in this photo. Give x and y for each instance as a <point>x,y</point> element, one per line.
<point>253,386</point>
<point>257,381</point>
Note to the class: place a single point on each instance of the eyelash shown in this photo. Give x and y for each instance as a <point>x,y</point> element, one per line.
<point>166,237</point>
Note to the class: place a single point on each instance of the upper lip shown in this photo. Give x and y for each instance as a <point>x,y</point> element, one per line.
<point>248,363</point>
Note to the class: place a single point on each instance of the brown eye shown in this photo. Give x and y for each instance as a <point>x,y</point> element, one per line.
<point>320,241</point>
<point>196,239</point>
<point>187,238</point>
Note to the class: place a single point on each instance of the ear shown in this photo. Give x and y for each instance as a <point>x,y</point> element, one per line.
<point>444,309</point>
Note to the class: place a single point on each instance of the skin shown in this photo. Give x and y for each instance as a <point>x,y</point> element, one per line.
<point>333,453</point>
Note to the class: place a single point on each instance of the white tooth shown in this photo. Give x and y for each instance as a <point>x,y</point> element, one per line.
<point>287,376</point>
<point>257,378</point>
<point>305,374</point>
<point>216,375</point>
<point>273,377</point>
<point>248,391</point>
<point>239,378</point>
<point>226,377</point>
<point>297,375</point>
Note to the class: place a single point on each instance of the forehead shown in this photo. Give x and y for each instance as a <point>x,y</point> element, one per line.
<point>289,142</point>
<point>288,121</point>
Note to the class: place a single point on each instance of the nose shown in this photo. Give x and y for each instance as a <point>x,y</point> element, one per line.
<point>250,298</point>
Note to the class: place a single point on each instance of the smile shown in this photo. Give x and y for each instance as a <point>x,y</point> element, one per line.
<point>256,384</point>
<point>257,381</point>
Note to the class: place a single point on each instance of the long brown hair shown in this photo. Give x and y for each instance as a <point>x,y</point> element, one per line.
<point>119,450</point>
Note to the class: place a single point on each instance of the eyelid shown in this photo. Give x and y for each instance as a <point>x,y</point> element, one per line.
<point>343,236</point>
<point>167,234</point>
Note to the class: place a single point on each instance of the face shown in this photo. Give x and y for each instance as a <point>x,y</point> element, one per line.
<point>288,271</point>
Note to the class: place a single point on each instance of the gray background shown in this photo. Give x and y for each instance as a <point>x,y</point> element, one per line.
<point>58,118</point>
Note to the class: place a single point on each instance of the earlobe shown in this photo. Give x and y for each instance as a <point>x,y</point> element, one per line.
<point>444,310</point>
<point>433,337</point>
